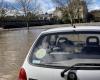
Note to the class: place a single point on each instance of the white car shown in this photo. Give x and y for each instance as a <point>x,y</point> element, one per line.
<point>64,54</point>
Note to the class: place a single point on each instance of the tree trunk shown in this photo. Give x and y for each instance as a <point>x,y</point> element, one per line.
<point>27,24</point>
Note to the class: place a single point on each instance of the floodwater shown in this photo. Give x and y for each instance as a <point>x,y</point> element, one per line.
<point>14,46</point>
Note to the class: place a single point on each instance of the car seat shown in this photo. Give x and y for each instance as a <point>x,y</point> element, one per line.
<point>92,46</point>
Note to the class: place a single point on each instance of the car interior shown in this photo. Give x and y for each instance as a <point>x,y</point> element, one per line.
<point>92,45</point>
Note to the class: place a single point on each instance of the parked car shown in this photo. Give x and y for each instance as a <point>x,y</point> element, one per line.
<point>70,53</point>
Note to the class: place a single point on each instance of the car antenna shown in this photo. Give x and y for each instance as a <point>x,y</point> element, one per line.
<point>74,26</point>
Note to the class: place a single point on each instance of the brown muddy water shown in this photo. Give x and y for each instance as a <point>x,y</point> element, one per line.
<point>14,46</point>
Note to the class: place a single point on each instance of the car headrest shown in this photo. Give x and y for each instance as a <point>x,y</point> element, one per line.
<point>65,41</point>
<point>61,40</point>
<point>92,41</point>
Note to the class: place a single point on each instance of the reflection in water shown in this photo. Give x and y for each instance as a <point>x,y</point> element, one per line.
<point>14,46</point>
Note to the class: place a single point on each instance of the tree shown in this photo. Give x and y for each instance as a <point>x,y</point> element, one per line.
<point>3,9</point>
<point>64,8</point>
<point>28,6</point>
<point>71,8</point>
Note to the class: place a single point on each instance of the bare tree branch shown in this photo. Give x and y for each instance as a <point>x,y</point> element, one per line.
<point>72,7</point>
<point>28,6</point>
<point>3,8</point>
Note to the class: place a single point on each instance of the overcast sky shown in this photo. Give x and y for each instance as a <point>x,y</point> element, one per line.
<point>47,5</point>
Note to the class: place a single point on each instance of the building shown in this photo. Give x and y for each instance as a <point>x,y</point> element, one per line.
<point>45,16</point>
<point>8,12</point>
<point>96,15</point>
<point>76,9</point>
<point>79,10</point>
<point>58,13</point>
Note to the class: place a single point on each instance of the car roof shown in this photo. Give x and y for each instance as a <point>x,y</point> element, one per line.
<point>70,29</point>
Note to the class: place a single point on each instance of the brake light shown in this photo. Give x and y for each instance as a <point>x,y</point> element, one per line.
<point>22,74</point>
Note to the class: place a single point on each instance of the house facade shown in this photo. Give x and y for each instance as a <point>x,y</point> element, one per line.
<point>76,9</point>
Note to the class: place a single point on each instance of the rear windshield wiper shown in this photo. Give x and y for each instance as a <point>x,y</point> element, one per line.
<point>82,66</point>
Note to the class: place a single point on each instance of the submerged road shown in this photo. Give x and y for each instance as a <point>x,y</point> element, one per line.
<point>14,46</point>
